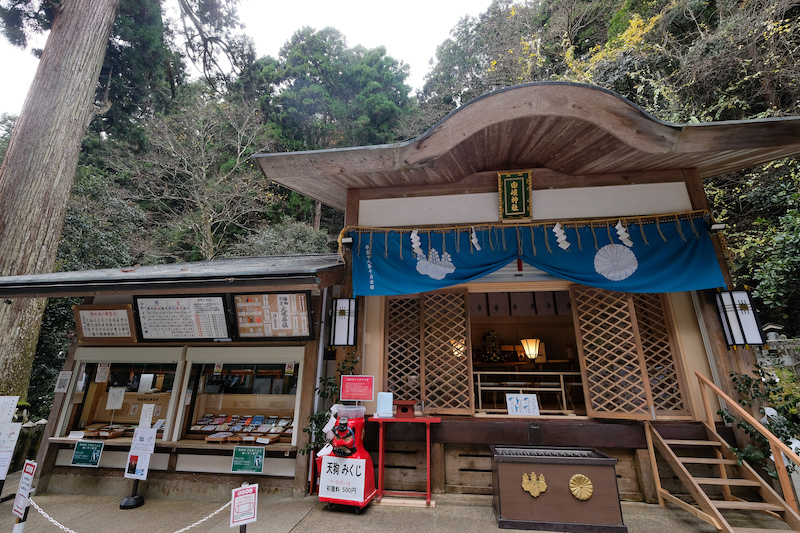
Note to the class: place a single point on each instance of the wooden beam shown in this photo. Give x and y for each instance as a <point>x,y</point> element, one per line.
<point>307,386</point>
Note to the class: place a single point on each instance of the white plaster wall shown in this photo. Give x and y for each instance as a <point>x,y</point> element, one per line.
<point>114,459</point>
<point>373,363</point>
<point>548,204</point>
<point>221,464</point>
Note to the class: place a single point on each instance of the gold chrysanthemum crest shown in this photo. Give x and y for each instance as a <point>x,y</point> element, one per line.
<point>581,487</point>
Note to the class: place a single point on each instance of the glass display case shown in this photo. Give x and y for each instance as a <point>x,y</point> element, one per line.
<point>109,397</point>
<point>245,402</point>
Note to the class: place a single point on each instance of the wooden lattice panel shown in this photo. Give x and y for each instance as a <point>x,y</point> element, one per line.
<point>446,354</point>
<point>614,380</point>
<point>665,384</point>
<point>403,348</point>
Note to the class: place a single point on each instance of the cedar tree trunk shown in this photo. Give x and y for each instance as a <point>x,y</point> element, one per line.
<point>39,168</point>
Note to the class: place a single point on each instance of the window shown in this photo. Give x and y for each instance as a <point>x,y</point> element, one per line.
<point>141,383</point>
<point>243,401</point>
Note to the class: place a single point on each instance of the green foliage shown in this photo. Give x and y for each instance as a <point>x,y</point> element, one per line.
<point>196,180</point>
<point>6,126</point>
<point>328,392</point>
<point>287,237</point>
<point>57,333</point>
<point>776,387</point>
<point>321,94</point>
<point>101,229</point>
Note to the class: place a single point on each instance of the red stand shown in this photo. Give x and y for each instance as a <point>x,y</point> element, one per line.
<point>427,420</point>
<point>348,443</point>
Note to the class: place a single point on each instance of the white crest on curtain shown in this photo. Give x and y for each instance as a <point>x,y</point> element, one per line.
<point>615,262</point>
<point>433,265</point>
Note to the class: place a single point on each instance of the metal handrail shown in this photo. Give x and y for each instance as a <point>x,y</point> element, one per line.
<point>776,445</point>
<point>521,384</point>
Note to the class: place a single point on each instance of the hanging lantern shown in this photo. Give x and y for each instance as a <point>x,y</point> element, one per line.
<point>531,347</point>
<point>343,322</point>
<point>739,320</point>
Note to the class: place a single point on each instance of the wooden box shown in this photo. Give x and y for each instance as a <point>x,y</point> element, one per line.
<point>555,489</point>
<point>405,408</point>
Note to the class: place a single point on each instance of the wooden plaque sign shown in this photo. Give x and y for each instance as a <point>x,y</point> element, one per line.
<point>104,323</point>
<point>273,315</point>
<point>515,196</point>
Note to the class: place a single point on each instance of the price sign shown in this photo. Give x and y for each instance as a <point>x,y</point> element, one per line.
<point>342,478</point>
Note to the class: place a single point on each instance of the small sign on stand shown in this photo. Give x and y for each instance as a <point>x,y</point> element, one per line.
<point>522,404</point>
<point>248,459</point>
<point>24,490</point>
<point>9,433</point>
<point>87,453</point>
<point>143,445</point>
<point>244,505</point>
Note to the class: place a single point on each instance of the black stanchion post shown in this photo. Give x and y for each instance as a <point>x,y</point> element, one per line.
<point>134,500</point>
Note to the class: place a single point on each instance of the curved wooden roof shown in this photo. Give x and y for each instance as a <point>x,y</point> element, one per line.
<point>569,128</point>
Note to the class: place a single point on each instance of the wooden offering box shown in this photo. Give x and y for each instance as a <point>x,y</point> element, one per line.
<point>555,489</point>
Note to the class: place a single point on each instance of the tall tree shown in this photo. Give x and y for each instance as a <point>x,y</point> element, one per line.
<point>321,94</point>
<point>196,175</point>
<point>37,171</point>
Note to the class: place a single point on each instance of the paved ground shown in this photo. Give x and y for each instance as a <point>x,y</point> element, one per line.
<point>451,514</point>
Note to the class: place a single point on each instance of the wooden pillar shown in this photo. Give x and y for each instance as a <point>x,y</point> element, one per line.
<point>46,455</point>
<point>697,195</point>
<point>307,386</point>
<point>645,475</point>
<point>437,468</point>
<point>741,360</point>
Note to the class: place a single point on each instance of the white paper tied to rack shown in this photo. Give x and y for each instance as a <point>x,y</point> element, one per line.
<point>623,235</point>
<point>561,236</point>
<point>474,239</point>
<point>416,243</point>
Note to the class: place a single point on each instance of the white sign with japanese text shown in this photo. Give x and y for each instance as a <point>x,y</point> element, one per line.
<point>342,478</point>
<point>24,490</point>
<point>138,465</point>
<point>116,397</point>
<point>146,418</point>
<point>244,505</point>
<point>144,440</point>
<point>103,370</point>
<point>8,407</point>
<point>522,404</point>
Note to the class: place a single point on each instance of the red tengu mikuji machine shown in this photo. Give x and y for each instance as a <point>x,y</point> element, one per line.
<point>347,476</point>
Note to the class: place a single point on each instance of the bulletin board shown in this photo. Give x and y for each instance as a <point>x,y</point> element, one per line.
<point>273,315</point>
<point>182,318</point>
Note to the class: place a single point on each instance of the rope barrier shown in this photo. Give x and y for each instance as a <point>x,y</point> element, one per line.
<point>64,528</point>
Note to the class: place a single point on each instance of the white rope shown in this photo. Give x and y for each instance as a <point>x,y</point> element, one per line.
<point>63,528</point>
<point>41,511</point>
<point>204,519</point>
